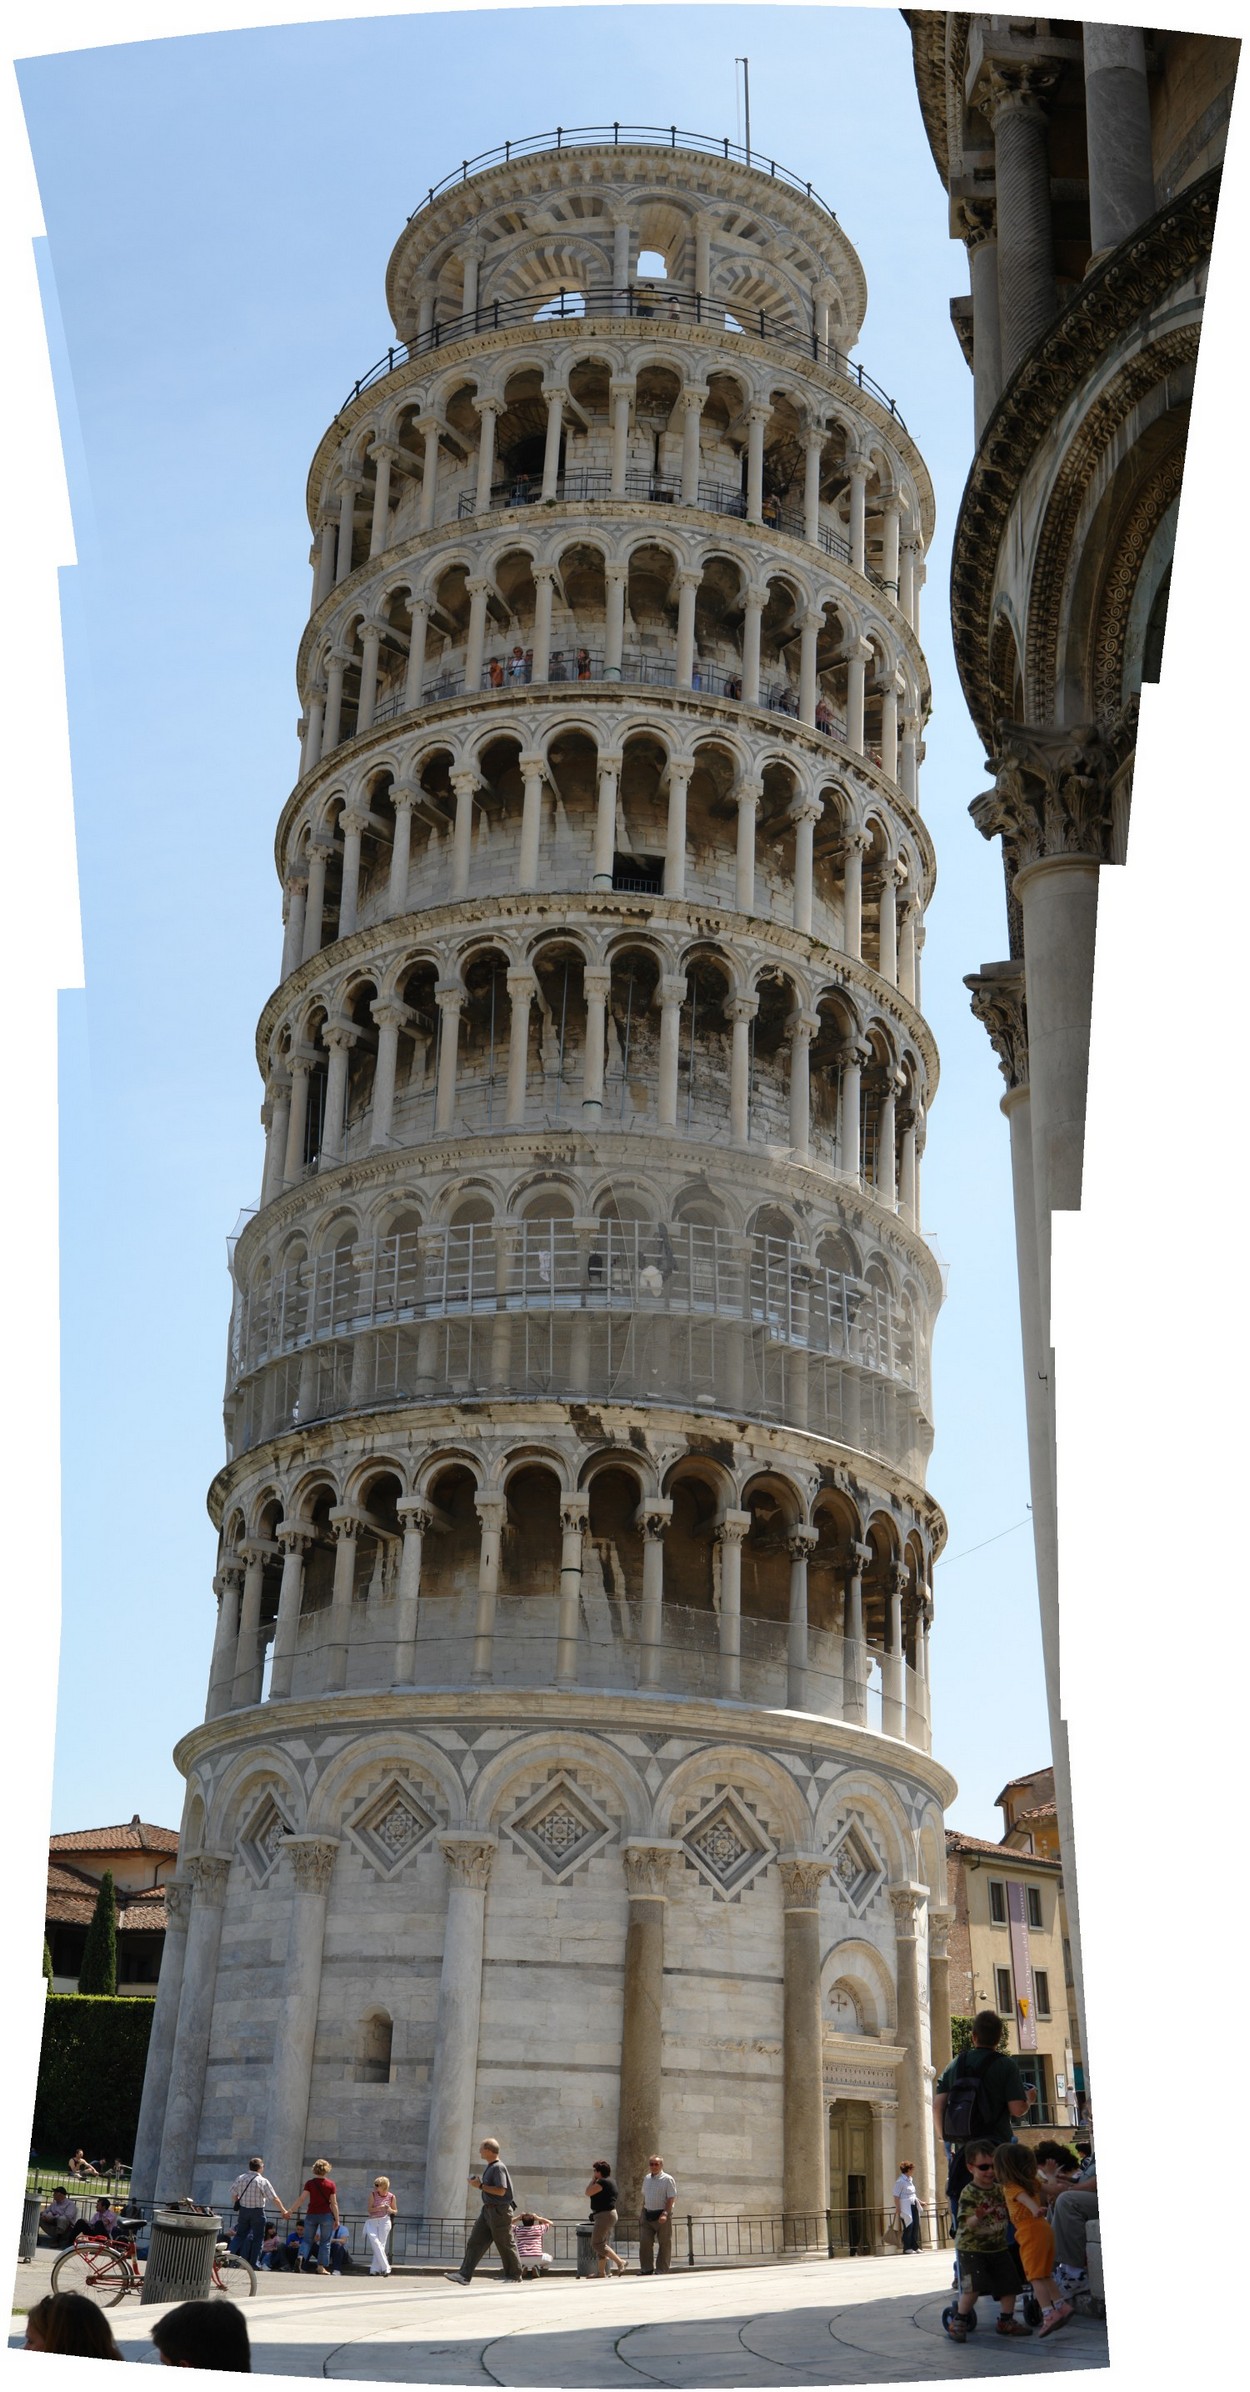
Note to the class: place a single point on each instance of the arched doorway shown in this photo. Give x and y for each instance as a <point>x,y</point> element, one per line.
<point>853,2193</point>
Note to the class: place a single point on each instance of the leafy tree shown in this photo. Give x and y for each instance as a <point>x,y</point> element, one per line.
<point>47,1964</point>
<point>98,1972</point>
<point>961,2035</point>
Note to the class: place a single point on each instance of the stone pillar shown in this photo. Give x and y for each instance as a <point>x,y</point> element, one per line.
<point>403,799</point>
<point>488,412</point>
<point>757,417</point>
<point>345,1525</point>
<point>596,980</point>
<point>1117,129</point>
<point>331,730</point>
<point>315,905</point>
<point>892,1682</point>
<point>293,929</point>
<point>742,1012</point>
<point>555,398</point>
<point>327,542</point>
<point>907,949</point>
<point>914,2127</point>
<point>297,1120</point>
<point>675,844</point>
<point>809,633</point>
<point>857,656</point>
<point>209,1874</point>
<point>314,730</point>
<point>806,817</point>
<point>800,1544</point>
<point>1059,898</point>
<point>855,1656</point>
<point>414,678</point>
<point>688,580</point>
<point>533,769</point>
<point>887,1133</point>
<point>1016,104</point>
<point>390,1018</point>
<point>748,795</point>
<point>228,1582</point>
<point>654,1519</point>
<point>615,579</point>
<point>339,1039</point>
<point>290,2077</point>
<point>247,1659</point>
<point>908,561</point>
<point>156,2077</point>
<point>888,919</point>
<point>908,1177</point>
<point>449,1002</point>
<point>276,1138</point>
<point>521,989</point>
<point>692,410</point>
<point>490,1511</point>
<point>813,451</point>
<point>702,255</point>
<point>802,1028</point>
<point>805,2140</point>
<point>472,269</point>
<point>977,222</point>
<point>370,644</point>
<point>940,1924</point>
<point>574,1511</point>
<point>384,456</point>
<point>849,1106</point>
<point>428,426</point>
<point>889,730</point>
<point>353,826</point>
<point>754,601</point>
<point>295,1543</point>
<point>855,848</point>
<point>347,515</point>
<point>622,394</point>
<point>909,759</point>
<point>620,263</point>
<point>478,588</point>
<point>605,822</point>
<point>454,2080</point>
<point>544,589</point>
<point>416,1519</point>
<point>858,522</point>
<point>642,2021</point>
<point>729,1536</point>
<point>672,993</point>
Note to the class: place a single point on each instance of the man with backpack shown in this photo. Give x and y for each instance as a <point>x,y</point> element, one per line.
<point>981,2093</point>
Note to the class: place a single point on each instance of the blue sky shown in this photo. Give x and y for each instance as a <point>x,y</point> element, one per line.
<point>219,214</point>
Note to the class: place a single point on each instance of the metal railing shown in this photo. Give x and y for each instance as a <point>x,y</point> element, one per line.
<point>709,145</point>
<point>658,302</point>
<point>591,485</point>
<point>637,669</point>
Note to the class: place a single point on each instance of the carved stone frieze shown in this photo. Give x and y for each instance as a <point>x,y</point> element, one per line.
<point>1050,796</point>
<point>997,994</point>
<point>1119,588</point>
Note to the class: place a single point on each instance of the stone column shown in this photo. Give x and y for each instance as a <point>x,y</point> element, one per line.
<point>855,1657</point>
<point>384,456</point>
<point>449,1002</point>
<point>533,769</point>
<point>295,1543</point>
<point>209,1874</point>
<point>293,928</point>
<point>370,644</point>
<point>908,562</point>
<point>469,287</point>
<point>605,821</point>
<point>490,1511</point>
<point>488,412</point>
<point>345,1525</point>
<point>857,656</point>
<point>907,949</point>
<point>596,980</point>
<point>855,848</point>
<point>228,1582</point>
<point>757,417</point>
<point>692,410</point>
<point>574,1512</point>
<point>403,799</point>
<point>813,452</point>
<point>742,1012</point>
<point>909,759</point>
<point>353,826</point>
<point>702,256</point>
<point>1117,131</point>
<point>806,816</point>
<point>347,515</point>
<point>748,795</point>
<point>390,1018</point>
<point>802,1028</point>
<point>314,729</point>
<point>800,1544</point>
<point>290,2077</point>
<point>914,2127</point>
<point>754,601</point>
<point>976,220</point>
<point>247,1658</point>
<point>414,678</point>
<point>809,633</point>
<point>327,542</point>
<point>729,1536</point>
<point>331,729</point>
<point>521,988</point>
<point>892,1716</point>
<point>428,426</point>
<point>416,1520</point>
<point>615,580</point>
<point>654,1518</point>
<point>889,730</point>
<point>555,398</point>
<point>622,395</point>
<point>805,2140</point>
<point>544,590</point>
<point>1016,105</point>
<point>339,1040</point>
<point>908,1181</point>
<point>642,2021</point>
<point>478,588</point>
<point>454,2080</point>
<point>940,1924</point>
<point>688,580</point>
<point>858,522</point>
<point>315,904</point>
<point>672,993</point>
<point>156,2078</point>
<point>849,1105</point>
<point>276,1138</point>
<point>887,1156</point>
<point>1059,898</point>
<point>679,774</point>
<point>299,1067</point>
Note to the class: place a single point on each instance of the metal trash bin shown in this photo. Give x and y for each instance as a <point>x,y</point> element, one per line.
<point>180,2257</point>
<point>585,2256</point>
<point>31,2206</point>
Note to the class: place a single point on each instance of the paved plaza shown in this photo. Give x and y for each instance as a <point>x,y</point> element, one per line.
<point>860,2321</point>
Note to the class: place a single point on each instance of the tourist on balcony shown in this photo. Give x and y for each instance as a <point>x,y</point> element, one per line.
<point>529,664</point>
<point>771,509</point>
<point>556,667</point>
<point>583,664</point>
<point>824,716</point>
<point>733,685</point>
<point>495,672</point>
<point>516,665</point>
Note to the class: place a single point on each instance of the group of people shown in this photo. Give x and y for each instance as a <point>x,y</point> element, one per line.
<point>62,2222</point>
<point>517,2234</point>
<point>196,2334</point>
<point>1021,2211</point>
<point>318,2235</point>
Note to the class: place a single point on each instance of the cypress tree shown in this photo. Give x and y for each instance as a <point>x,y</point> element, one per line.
<point>47,1964</point>
<point>98,1973</point>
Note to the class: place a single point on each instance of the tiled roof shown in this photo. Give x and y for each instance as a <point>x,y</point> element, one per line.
<point>1044,1810</point>
<point>957,1843</point>
<point>137,1836</point>
<point>72,1899</point>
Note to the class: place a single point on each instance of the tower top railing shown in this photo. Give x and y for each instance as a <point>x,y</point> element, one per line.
<point>657,301</point>
<point>562,137</point>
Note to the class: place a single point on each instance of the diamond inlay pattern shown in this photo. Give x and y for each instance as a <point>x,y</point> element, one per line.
<point>392,1826</point>
<point>727,1845</point>
<point>856,1869</point>
<point>261,1840</point>
<point>560,1827</point>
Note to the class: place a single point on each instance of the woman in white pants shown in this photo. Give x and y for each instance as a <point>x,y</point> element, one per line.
<point>378,2218</point>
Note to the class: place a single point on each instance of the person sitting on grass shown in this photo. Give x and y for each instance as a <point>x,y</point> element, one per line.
<point>987,2263</point>
<point>1015,2169</point>
<point>70,2323</point>
<point>204,2334</point>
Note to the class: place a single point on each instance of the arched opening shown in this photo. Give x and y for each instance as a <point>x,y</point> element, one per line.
<point>530,1559</point>
<point>373,2048</point>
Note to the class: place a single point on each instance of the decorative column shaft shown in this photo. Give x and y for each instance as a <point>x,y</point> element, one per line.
<point>1117,132</point>
<point>295,1543</point>
<point>805,2157</point>
<point>1016,105</point>
<point>533,769</point>
<point>290,2077</point>
<point>742,1012</point>
<point>574,1511</point>
<point>156,2077</point>
<point>654,1519</point>
<point>729,1536</point>
<point>908,1904</point>
<point>555,399</point>
<point>642,2020</point>
<point>521,992</point>
<point>415,1520</point>
<point>675,846</point>
<point>800,1545</point>
<point>672,994</point>
<point>490,1512</point>
<point>605,822</point>
<point>209,1874</point>
<point>449,1002</point>
<point>454,2079</point>
<point>748,796</point>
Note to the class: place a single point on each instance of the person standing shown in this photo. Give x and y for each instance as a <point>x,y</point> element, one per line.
<point>322,2216</point>
<point>378,2220</point>
<point>249,2194</point>
<point>981,2093</point>
<point>604,2201</point>
<point>907,2207</point>
<point>655,2225</point>
<point>494,2221</point>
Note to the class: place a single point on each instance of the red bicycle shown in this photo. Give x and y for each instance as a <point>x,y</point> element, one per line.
<point>107,2271</point>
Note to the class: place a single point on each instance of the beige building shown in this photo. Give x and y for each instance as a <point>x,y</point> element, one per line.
<point>1007,1942</point>
<point>1082,164</point>
<point>141,1859</point>
<point>567,1763</point>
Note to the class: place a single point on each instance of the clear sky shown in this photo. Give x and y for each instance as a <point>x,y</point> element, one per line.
<point>219,214</point>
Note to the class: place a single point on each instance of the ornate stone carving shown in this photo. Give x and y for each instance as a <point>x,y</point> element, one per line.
<point>1119,588</point>
<point>802,1876</point>
<point>856,1868</point>
<point>998,1003</point>
<point>261,1841</point>
<point>907,1902</point>
<point>647,1868</point>
<point>726,1844</point>
<point>312,1862</point>
<point>209,1873</point>
<point>1050,795</point>
<point>560,1827</point>
<point>178,1893</point>
<point>391,1826</point>
<point>469,1859</point>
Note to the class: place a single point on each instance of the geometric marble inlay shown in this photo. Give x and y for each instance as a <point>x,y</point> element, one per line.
<point>559,1827</point>
<point>261,1840</point>
<point>390,1827</point>
<point>856,1868</point>
<point>727,1845</point>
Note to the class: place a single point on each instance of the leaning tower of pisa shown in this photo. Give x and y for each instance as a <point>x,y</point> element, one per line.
<point>566,1770</point>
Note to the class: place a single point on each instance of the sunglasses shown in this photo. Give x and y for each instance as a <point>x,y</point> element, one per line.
<point>981,2167</point>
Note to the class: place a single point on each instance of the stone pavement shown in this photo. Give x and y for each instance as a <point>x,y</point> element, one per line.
<point>855,2321</point>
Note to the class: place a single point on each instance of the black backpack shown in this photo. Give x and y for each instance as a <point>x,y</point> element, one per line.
<point>967,2111</point>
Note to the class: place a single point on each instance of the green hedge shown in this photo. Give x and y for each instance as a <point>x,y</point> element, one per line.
<point>95,2048</point>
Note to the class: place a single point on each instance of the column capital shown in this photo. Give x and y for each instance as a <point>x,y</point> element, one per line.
<point>742,1009</point>
<point>616,573</point>
<point>543,573</point>
<point>344,1522</point>
<point>806,809</point>
<point>554,392</point>
<point>802,1876</point>
<point>389,1014</point>
<point>689,577</point>
<point>178,1894</point>
<point>1017,86</point>
<point>532,761</point>
<point>732,1528</point>
<point>611,760</point>
<point>673,988</point>
<point>476,584</point>
<point>759,411</point>
<point>802,1026</point>
<point>312,1861</point>
<point>413,1513</point>
<point>747,793</point>
<point>693,395</point>
<point>647,1868</point>
<point>574,1512</point>
<point>596,979</point>
<point>907,1901</point>
<point>385,451</point>
<point>812,619</point>
<point>488,406</point>
<point>897,1578</point>
<point>974,221</point>
<point>997,998</point>
<point>293,1536</point>
<point>681,768</point>
<point>1051,795</point>
<point>339,660</point>
<point>801,1541</point>
<point>448,996</point>
<point>491,1510</point>
<point>622,386</point>
<point>755,596</point>
<point>521,983</point>
<point>940,1923</point>
<point>209,1873</point>
<point>857,1559</point>
<point>336,1035</point>
<point>351,478</point>
<point>654,1517</point>
<point>469,1858</point>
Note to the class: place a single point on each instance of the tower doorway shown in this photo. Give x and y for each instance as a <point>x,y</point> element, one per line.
<point>852,2193</point>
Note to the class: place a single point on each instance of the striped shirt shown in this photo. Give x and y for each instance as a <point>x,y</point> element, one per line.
<point>252,2191</point>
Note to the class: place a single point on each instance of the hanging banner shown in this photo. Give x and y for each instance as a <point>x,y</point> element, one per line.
<point>1022,1967</point>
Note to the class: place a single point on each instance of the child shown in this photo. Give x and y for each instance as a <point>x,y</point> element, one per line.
<point>528,2235</point>
<point>987,2264</point>
<point>1015,2169</point>
<point>269,2247</point>
<point>378,2218</point>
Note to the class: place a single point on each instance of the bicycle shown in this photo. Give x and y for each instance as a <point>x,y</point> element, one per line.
<point>106,2271</point>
